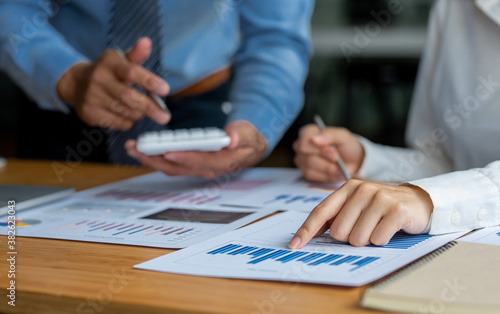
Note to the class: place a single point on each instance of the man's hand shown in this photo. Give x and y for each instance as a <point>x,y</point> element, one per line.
<point>318,160</point>
<point>101,93</point>
<point>246,147</point>
<point>364,212</point>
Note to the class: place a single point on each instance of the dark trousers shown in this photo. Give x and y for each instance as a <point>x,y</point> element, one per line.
<point>52,135</point>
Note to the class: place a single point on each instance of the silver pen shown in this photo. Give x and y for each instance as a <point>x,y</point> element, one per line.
<point>321,125</point>
<point>157,99</point>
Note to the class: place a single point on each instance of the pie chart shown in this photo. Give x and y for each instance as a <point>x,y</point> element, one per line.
<point>21,222</point>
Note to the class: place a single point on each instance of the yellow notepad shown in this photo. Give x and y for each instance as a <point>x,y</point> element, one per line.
<point>460,277</point>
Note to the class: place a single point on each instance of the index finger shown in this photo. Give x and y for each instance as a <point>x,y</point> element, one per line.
<point>131,73</point>
<point>319,216</point>
<point>138,103</point>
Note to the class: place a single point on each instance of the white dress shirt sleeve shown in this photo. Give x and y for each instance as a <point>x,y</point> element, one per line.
<point>388,163</point>
<point>464,200</point>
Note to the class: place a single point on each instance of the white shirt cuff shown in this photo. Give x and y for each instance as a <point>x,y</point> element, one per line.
<point>463,200</point>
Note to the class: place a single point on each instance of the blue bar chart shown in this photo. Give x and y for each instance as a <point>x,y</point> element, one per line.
<point>400,241</point>
<point>294,199</point>
<point>259,255</point>
<point>260,251</point>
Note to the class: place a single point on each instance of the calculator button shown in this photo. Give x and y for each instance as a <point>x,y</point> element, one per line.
<point>166,135</point>
<point>197,139</point>
<point>150,136</point>
<point>213,132</point>
<point>197,133</point>
<point>181,135</point>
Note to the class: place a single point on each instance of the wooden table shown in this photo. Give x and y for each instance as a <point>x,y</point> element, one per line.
<point>57,276</point>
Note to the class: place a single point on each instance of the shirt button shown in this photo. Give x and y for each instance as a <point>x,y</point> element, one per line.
<point>455,218</point>
<point>481,214</point>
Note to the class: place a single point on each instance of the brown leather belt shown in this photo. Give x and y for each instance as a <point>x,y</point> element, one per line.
<point>207,84</point>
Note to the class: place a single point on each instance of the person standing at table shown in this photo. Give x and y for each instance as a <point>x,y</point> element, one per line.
<point>61,53</point>
<point>452,164</point>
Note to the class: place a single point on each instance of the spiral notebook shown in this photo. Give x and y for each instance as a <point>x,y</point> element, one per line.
<point>460,277</point>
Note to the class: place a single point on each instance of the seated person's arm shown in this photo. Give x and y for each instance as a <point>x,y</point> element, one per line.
<point>359,212</point>
<point>317,159</point>
<point>365,212</point>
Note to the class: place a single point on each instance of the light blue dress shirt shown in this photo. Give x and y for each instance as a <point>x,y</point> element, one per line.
<point>267,42</point>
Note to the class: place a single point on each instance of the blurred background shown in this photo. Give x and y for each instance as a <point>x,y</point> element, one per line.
<point>366,55</point>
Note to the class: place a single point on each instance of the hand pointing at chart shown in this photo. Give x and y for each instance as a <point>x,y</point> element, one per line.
<point>365,212</point>
<point>359,212</point>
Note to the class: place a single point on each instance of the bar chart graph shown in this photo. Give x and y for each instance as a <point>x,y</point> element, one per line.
<point>115,229</point>
<point>191,197</point>
<point>259,251</point>
<point>292,196</point>
<point>400,241</point>
<point>171,227</point>
<point>294,199</point>
<point>259,255</point>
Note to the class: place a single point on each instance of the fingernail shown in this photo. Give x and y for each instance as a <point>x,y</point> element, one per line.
<point>162,117</point>
<point>162,88</point>
<point>294,243</point>
<point>157,85</point>
<point>170,157</point>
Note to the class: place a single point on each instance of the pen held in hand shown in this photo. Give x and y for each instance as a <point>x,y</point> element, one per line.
<point>321,125</point>
<point>157,99</point>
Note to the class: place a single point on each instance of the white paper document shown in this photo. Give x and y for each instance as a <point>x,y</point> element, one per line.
<point>152,210</point>
<point>157,188</point>
<point>165,227</point>
<point>489,235</point>
<point>292,195</point>
<point>259,251</point>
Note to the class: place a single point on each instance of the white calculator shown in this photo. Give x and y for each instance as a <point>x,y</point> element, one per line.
<point>198,139</point>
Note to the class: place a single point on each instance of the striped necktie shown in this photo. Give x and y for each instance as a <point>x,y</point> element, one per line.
<point>130,20</point>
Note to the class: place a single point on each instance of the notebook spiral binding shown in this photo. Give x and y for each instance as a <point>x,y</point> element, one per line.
<point>409,268</point>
